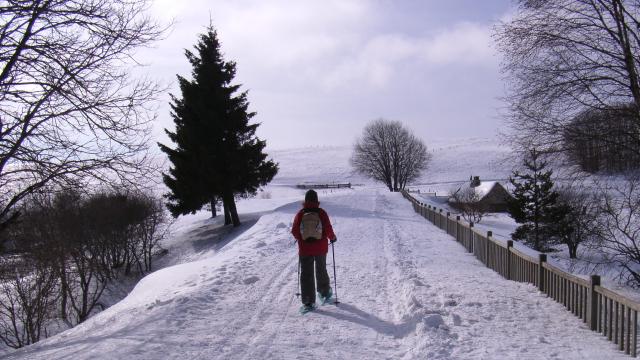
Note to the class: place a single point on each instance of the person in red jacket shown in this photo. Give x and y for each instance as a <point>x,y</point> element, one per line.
<point>313,252</point>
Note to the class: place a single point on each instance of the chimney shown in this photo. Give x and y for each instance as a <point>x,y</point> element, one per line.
<point>475,182</point>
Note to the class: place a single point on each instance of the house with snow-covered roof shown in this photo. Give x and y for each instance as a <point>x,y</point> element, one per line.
<point>492,196</point>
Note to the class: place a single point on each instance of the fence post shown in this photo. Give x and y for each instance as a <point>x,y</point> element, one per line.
<point>458,228</point>
<point>542,259</point>
<point>486,248</point>
<point>471,238</point>
<point>509,246</point>
<point>448,213</point>
<point>593,302</point>
<point>440,219</point>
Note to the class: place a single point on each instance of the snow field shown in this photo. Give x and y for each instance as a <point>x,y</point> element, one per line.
<point>407,291</point>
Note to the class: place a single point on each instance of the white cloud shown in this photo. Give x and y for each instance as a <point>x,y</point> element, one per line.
<point>327,44</point>
<point>285,33</point>
<point>377,60</point>
<point>466,43</point>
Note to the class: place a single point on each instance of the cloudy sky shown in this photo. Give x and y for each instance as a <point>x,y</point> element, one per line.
<point>318,71</point>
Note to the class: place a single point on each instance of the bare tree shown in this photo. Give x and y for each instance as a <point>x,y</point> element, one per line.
<point>389,153</point>
<point>565,57</point>
<point>467,201</point>
<point>69,107</point>
<point>146,226</point>
<point>27,298</point>
<point>579,224</point>
<point>620,228</point>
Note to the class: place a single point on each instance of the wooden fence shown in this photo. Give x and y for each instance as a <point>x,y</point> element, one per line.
<point>603,310</point>
<point>323,186</point>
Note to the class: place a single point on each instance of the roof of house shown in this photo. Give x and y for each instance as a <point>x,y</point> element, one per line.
<point>484,188</point>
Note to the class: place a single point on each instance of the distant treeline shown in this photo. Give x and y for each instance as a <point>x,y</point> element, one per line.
<point>605,140</point>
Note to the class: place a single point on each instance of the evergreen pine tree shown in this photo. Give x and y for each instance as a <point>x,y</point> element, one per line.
<point>217,154</point>
<point>534,204</point>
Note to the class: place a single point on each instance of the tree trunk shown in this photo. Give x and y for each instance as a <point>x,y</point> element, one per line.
<point>64,290</point>
<point>389,185</point>
<point>214,213</point>
<point>5,224</point>
<point>623,38</point>
<point>227,214</point>
<point>230,206</point>
<point>573,251</point>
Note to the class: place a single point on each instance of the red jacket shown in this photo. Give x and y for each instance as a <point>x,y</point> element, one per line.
<point>318,247</point>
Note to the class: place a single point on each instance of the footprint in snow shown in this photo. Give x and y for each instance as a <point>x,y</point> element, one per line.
<point>450,303</point>
<point>434,321</point>
<point>417,282</point>
<point>474,304</point>
<point>281,226</point>
<point>250,280</point>
<point>158,303</point>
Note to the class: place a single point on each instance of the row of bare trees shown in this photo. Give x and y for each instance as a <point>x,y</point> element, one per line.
<point>66,250</point>
<point>605,219</point>
<point>604,140</point>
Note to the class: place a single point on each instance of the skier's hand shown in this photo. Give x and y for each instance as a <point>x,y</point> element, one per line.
<point>333,240</point>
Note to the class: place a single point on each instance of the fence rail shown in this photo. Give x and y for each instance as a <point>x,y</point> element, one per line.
<point>323,186</point>
<point>603,310</point>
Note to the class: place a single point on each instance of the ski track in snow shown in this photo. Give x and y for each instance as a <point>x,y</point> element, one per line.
<point>407,291</point>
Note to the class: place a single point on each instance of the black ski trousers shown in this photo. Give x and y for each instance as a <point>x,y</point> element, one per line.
<point>307,282</point>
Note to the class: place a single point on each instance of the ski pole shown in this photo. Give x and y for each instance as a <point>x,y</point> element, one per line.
<point>335,283</point>
<point>298,289</point>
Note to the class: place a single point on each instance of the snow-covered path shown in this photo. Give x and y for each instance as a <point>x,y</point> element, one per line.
<point>407,291</point>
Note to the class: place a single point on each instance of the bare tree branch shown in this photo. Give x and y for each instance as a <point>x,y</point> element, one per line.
<point>566,58</point>
<point>69,108</point>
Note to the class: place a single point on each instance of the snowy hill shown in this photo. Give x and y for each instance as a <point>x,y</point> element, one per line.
<point>407,290</point>
<point>453,160</point>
